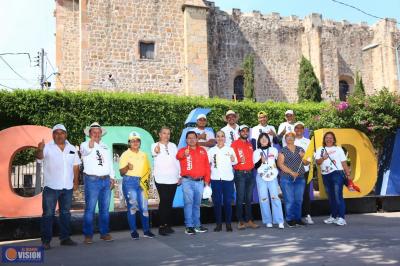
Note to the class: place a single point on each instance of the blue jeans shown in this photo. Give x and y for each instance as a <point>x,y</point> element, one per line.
<point>135,201</point>
<point>293,196</point>
<point>244,183</point>
<point>192,194</point>
<point>222,192</point>
<point>96,190</point>
<point>333,184</point>
<point>49,201</point>
<point>268,197</point>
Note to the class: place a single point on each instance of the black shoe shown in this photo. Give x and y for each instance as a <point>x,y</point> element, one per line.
<point>135,235</point>
<point>68,242</point>
<point>229,228</point>
<point>200,229</point>
<point>190,231</point>
<point>291,223</point>
<point>300,223</point>
<point>46,246</point>
<point>148,234</point>
<point>169,230</point>
<point>218,228</point>
<point>162,231</point>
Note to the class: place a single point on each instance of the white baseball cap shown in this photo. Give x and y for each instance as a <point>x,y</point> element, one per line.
<point>289,112</point>
<point>59,126</point>
<point>299,123</point>
<point>241,127</point>
<point>207,192</point>
<point>200,116</point>
<point>134,135</point>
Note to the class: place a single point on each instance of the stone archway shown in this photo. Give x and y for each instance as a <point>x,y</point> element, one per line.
<point>238,87</point>
<point>346,85</point>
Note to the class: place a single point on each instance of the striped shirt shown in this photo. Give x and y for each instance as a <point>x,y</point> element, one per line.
<point>293,160</point>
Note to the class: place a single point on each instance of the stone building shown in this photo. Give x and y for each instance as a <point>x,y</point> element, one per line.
<point>191,47</point>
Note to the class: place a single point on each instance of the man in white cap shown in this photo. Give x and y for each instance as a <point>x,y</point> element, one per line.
<point>287,126</point>
<point>98,176</point>
<point>61,171</point>
<point>231,130</point>
<point>244,179</point>
<point>262,127</point>
<point>205,137</point>
<point>303,142</point>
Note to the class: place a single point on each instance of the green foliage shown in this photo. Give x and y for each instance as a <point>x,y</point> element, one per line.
<point>308,84</point>
<point>76,110</point>
<point>359,90</point>
<point>378,116</point>
<point>248,69</point>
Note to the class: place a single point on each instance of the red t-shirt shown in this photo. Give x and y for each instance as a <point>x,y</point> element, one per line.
<point>243,149</point>
<point>196,164</point>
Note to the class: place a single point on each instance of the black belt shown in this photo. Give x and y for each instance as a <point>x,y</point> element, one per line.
<point>200,178</point>
<point>245,171</point>
<point>99,176</point>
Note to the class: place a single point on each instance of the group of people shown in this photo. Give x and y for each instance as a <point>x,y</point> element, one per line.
<point>236,158</point>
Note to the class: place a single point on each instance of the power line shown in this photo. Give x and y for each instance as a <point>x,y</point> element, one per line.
<point>2,85</point>
<point>358,9</point>
<point>55,72</point>
<point>16,73</point>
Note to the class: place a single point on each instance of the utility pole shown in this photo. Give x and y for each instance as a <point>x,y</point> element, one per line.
<point>42,77</point>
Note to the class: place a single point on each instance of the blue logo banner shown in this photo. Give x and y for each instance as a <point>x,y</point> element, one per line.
<point>22,254</point>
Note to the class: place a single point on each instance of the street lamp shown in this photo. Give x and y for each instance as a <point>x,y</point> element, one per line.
<point>397,48</point>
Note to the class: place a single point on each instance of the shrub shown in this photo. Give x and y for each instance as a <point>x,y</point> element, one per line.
<point>248,69</point>
<point>308,84</point>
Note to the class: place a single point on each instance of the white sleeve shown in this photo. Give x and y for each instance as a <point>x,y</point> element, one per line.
<point>232,152</point>
<point>272,128</point>
<point>85,150</point>
<point>77,160</point>
<point>210,134</point>
<point>282,126</point>
<point>153,146</point>
<point>341,155</point>
<point>318,153</point>
<point>275,154</point>
<point>256,156</point>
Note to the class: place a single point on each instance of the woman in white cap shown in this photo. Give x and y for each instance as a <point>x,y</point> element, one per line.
<point>221,158</point>
<point>267,182</point>
<point>134,168</point>
<point>166,174</point>
<point>287,126</point>
<point>231,130</point>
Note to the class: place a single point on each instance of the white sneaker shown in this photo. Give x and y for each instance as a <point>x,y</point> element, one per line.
<point>330,220</point>
<point>309,220</point>
<point>281,226</point>
<point>269,225</point>
<point>340,221</point>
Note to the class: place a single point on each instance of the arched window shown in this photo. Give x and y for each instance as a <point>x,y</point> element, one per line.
<point>238,85</point>
<point>343,90</point>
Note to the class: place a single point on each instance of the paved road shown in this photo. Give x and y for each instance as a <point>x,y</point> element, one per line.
<point>367,239</point>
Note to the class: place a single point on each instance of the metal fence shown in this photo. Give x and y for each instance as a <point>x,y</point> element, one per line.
<point>27,180</point>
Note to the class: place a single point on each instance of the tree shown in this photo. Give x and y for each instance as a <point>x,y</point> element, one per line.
<point>359,86</point>
<point>248,69</point>
<point>308,86</point>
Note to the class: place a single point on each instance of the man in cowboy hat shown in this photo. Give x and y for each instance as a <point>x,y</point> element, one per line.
<point>99,179</point>
<point>231,130</point>
<point>61,170</point>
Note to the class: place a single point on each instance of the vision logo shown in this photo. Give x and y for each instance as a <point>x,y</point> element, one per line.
<point>14,254</point>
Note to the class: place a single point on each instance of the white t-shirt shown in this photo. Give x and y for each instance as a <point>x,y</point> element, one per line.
<point>303,143</point>
<point>166,166</point>
<point>97,160</point>
<point>289,128</point>
<point>257,130</point>
<point>231,134</point>
<point>221,163</point>
<point>269,167</point>
<point>58,166</point>
<point>209,135</point>
<point>336,154</point>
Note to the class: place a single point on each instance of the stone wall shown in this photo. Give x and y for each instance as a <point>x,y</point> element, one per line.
<point>199,49</point>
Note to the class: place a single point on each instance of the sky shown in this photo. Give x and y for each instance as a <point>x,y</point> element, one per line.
<point>26,26</point>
